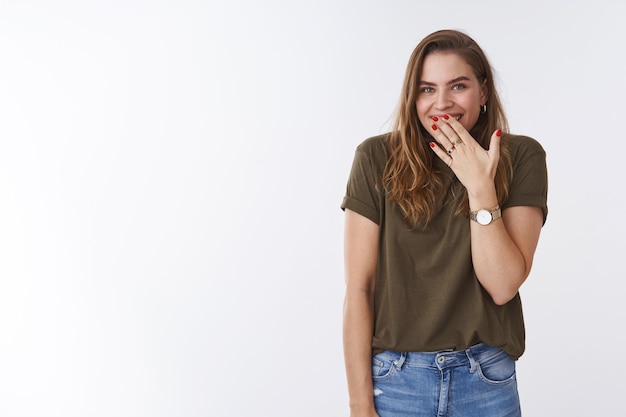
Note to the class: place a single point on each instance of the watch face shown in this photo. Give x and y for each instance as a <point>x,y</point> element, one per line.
<point>483,217</point>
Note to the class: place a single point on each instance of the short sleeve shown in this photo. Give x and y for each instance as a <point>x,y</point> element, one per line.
<point>529,184</point>
<point>364,190</point>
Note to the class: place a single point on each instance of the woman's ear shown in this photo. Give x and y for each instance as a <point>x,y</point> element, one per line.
<point>484,93</point>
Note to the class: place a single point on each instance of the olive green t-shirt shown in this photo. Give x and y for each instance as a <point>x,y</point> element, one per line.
<point>427,295</point>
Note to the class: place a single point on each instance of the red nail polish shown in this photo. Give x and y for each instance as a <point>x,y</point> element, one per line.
<point>498,133</point>
<point>445,116</point>
<point>435,118</point>
<point>434,127</point>
<point>432,144</point>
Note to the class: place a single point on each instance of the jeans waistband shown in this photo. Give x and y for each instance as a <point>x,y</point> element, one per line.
<point>443,358</point>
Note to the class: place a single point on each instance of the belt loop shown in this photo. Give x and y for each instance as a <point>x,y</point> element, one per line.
<point>400,361</point>
<point>472,361</point>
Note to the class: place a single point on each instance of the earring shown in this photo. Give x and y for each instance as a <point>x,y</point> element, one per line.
<point>483,108</point>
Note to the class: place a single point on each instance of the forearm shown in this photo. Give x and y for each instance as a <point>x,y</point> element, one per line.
<point>357,341</point>
<point>498,262</point>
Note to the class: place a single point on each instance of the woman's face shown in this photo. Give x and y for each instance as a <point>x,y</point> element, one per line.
<point>448,86</point>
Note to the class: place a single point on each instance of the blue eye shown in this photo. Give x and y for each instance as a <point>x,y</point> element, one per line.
<point>427,90</point>
<point>458,87</point>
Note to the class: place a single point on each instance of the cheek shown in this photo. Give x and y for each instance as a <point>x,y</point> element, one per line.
<point>422,111</point>
<point>470,120</point>
<point>472,111</point>
<point>422,103</point>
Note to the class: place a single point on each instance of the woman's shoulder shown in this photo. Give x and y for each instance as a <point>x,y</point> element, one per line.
<point>375,149</point>
<point>524,148</point>
<point>375,144</point>
<point>521,145</point>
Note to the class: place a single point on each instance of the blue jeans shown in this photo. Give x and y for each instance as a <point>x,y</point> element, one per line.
<point>479,381</point>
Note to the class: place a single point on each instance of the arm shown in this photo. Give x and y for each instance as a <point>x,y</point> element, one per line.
<point>503,251</point>
<point>361,257</point>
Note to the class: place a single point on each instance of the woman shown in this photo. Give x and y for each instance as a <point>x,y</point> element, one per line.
<point>443,216</point>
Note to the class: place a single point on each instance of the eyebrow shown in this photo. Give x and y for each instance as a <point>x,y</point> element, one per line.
<point>456,80</point>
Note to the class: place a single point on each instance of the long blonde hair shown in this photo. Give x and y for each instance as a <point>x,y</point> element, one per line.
<point>411,178</point>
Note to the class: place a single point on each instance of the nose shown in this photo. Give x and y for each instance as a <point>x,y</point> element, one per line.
<point>443,100</point>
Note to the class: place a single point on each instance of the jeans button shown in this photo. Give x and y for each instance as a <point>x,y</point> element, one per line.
<point>441,359</point>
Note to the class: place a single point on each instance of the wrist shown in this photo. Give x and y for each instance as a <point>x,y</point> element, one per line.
<point>482,198</point>
<point>365,404</point>
<point>486,216</point>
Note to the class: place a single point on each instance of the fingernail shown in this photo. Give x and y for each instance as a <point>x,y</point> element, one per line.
<point>498,132</point>
<point>432,144</point>
<point>434,127</point>
<point>445,116</point>
<point>435,118</point>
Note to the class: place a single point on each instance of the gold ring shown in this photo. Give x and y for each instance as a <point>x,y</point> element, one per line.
<point>457,142</point>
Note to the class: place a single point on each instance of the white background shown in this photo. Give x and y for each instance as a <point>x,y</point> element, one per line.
<point>170,181</point>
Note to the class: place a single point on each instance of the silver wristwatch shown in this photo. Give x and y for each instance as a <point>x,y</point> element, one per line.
<point>485,216</point>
